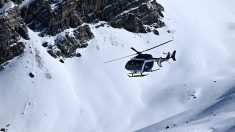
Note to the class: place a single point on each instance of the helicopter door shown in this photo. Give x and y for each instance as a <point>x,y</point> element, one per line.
<point>148,65</point>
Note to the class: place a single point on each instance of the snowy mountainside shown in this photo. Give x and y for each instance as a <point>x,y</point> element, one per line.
<point>51,18</point>
<point>195,93</point>
<point>209,71</point>
<point>79,95</point>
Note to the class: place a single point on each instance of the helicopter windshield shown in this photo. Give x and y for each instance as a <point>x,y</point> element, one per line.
<point>134,65</point>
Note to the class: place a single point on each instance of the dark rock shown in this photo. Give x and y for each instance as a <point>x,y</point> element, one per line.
<point>23,32</point>
<point>41,16</point>
<point>54,53</point>
<point>18,48</point>
<point>74,20</point>
<point>146,14</point>
<point>12,29</point>
<point>3,129</point>
<point>45,44</point>
<point>155,32</point>
<point>130,22</point>
<point>83,34</point>
<point>31,74</point>
<point>51,17</point>
<point>1,3</point>
<point>148,29</point>
<point>1,68</point>
<point>17,1</point>
<point>78,55</point>
<point>101,25</point>
<point>66,45</point>
<point>62,61</point>
<point>167,127</point>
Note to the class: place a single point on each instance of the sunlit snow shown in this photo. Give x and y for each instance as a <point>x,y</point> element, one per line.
<point>195,93</point>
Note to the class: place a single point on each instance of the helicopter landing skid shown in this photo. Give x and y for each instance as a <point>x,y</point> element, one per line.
<point>153,70</point>
<point>136,75</point>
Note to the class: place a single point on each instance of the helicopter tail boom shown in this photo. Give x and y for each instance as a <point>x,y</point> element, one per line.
<point>169,56</point>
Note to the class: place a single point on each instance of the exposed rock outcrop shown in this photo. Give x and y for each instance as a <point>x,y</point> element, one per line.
<point>67,44</point>
<point>12,29</point>
<point>16,1</point>
<point>51,17</point>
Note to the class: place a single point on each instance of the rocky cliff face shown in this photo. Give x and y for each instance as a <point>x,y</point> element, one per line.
<point>12,31</point>
<point>51,17</point>
<point>66,45</point>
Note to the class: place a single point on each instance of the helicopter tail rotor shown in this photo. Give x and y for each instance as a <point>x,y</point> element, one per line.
<point>169,55</point>
<point>173,55</point>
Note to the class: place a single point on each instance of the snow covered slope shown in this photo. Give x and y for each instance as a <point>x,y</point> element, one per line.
<point>86,95</point>
<point>205,35</point>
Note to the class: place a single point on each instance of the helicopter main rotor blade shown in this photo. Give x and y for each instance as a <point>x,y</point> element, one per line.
<point>137,52</point>
<point>120,58</point>
<point>156,46</point>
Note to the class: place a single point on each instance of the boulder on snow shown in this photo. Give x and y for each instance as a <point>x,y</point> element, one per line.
<point>45,44</point>
<point>155,32</point>
<point>3,129</point>
<point>32,75</point>
<point>61,60</point>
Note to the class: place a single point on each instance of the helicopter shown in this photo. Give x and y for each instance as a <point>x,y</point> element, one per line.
<point>142,63</point>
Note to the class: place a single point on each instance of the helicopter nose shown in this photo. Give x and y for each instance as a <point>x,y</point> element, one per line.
<point>127,66</point>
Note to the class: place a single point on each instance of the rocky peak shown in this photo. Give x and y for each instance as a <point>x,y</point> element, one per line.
<point>66,45</point>
<point>51,17</point>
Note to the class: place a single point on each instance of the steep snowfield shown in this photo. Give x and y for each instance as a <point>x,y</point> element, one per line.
<point>86,95</point>
<point>205,35</point>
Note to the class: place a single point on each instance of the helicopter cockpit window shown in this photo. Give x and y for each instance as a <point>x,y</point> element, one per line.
<point>135,64</point>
